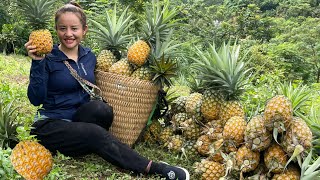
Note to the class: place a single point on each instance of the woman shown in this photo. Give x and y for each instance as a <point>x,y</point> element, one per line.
<point>68,121</point>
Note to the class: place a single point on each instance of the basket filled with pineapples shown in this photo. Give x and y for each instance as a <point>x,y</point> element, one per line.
<point>131,72</point>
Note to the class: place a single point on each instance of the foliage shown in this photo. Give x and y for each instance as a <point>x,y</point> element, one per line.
<point>6,168</point>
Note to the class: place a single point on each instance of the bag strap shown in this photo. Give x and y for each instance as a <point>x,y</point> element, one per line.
<point>84,83</point>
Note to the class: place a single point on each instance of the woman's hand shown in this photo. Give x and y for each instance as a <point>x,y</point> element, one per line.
<point>32,51</point>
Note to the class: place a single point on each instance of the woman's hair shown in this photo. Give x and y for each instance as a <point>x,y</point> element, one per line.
<point>75,8</point>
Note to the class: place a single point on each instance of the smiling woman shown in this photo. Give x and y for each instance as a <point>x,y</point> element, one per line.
<point>68,121</point>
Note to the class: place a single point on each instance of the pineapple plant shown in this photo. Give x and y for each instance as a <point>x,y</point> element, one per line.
<point>38,14</point>
<point>256,136</point>
<point>8,124</point>
<point>112,37</point>
<point>225,72</point>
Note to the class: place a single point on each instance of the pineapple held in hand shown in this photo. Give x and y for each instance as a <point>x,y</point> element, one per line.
<point>38,13</point>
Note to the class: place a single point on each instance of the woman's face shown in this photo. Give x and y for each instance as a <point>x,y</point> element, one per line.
<point>70,31</point>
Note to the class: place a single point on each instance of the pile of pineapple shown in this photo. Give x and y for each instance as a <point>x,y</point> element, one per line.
<point>209,127</point>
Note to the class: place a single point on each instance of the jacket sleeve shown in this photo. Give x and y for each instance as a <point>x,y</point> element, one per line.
<point>37,89</point>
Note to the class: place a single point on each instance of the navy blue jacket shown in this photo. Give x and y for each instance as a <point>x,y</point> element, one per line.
<point>52,85</point>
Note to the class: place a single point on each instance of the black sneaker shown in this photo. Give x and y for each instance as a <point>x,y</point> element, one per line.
<point>175,172</point>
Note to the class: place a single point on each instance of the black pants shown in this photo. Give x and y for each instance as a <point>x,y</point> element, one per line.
<point>88,134</point>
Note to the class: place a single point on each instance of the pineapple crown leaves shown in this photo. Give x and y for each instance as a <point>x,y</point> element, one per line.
<point>222,69</point>
<point>297,95</point>
<point>164,69</point>
<point>310,171</point>
<point>112,35</point>
<point>37,12</point>
<point>8,125</point>
<point>159,20</point>
<point>165,47</point>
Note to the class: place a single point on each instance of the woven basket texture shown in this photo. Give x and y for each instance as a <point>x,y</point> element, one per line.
<point>132,101</point>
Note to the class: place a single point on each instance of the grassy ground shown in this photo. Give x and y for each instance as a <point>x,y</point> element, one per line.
<point>14,72</point>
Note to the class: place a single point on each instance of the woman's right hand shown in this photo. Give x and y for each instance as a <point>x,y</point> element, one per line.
<point>32,51</point>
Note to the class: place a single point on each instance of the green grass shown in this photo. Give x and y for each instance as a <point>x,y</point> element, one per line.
<point>14,72</point>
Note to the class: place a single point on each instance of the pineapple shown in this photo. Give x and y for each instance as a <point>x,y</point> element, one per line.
<point>233,131</point>
<point>298,139</point>
<point>178,105</point>
<point>256,136</point>
<point>193,105</point>
<point>292,173</point>
<point>203,145</point>
<point>122,67</point>
<point>138,53</point>
<point>143,73</point>
<point>213,129</point>
<point>38,14</point>
<point>105,60</point>
<point>190,151</point>
<point>190,129</point>
<point>112,36</point>
<point>210,170</point>
<point>278,114</point>
<point>211,104</point>
<point>178,119</point>
<point>31,160</point>
<point>175,143</point>
<point>275,158</point>
<point>224,72</point>
<point>246,159</point>
<point>165,134</point>
<point>215,151</point>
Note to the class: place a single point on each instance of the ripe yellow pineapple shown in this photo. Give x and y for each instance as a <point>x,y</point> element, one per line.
<point>204,144</point>
<point>175,143</point>
<point>213,129</point>
<point>193,105</point>
<point>122,67</point>
<point>278,113</point>
<point>298,133</point>
<point>256,136</point>
<point>143,73</point>
<point>233,131</point>
<point>210,170</point>
<point>211,104</point>
<point>246,159</point>
<point>105,60</point>
<point>38,14</point>
<point>165,134</point>
<point>178,119</point>
<point>292,173</point>
<point>190,129</point>
<point>31,160</point>
<point>275,158</point>
<point>230,109</point>
<point>138,52</point>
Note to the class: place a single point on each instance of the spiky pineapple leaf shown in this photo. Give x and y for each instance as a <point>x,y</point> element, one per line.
<point>112,34</point>
<point>37,12</point>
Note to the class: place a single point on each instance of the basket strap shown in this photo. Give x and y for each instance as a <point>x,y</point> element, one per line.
<point>84,83</point>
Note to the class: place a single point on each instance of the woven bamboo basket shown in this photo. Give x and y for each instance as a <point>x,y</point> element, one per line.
<point>132,101</point>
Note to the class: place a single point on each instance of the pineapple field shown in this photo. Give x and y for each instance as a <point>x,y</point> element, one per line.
<point>237,86</point>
